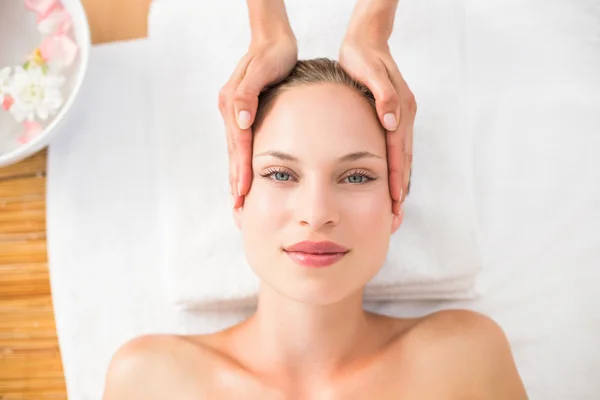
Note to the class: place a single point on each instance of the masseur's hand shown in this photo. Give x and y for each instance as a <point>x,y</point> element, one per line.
<point>365,55</point>
<point>272,54</point>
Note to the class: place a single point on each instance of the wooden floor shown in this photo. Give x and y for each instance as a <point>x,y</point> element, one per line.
<point>30,363</point>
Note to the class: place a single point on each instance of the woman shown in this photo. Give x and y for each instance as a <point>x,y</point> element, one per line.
<point>316,226</point>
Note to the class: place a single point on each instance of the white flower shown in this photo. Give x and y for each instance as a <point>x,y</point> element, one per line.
<point>35,93</point>
<point>4,83</point>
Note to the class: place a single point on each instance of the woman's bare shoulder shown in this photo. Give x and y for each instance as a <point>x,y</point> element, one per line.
<point>469,349</point>
<point>457,321</point>
<point>150,366</point>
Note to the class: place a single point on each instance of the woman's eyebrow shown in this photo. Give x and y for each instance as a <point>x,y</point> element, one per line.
<point>277,154</point>
<point>357,155</point>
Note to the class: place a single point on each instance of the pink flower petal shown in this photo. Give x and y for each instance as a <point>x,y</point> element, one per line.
<point>57,7</point>
<point>57,22</point>
<point>32,129</point>
<point>41,6</point>
<point>7,102</point>
<point>58,51</point>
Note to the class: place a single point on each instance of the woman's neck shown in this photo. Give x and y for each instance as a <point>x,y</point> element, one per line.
<point>304,342</point>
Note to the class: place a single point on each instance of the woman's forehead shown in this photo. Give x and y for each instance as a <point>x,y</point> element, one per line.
<point>320,115</point>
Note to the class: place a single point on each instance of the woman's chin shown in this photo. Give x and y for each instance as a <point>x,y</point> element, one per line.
<point>321,291</point>
<point>315,285</point>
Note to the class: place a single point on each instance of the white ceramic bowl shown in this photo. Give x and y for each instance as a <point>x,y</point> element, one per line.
<point>19,37</point>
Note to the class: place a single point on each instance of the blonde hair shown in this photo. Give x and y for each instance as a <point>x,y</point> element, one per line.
<point>308,72</point>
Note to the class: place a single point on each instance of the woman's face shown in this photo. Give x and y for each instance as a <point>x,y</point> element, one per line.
<point>320,174</point>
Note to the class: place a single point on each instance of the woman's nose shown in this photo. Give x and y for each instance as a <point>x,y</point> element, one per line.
<point>316,206</point>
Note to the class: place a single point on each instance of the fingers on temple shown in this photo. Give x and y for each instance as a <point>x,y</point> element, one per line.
<point>408,110</point>
<point>256,77</point>
<point>395,151</point>
<point>386,96</point>
<point>233,132</point>
<point>406,98</point>
<point>244,154</point>
<point>239,147</point>
<point>245,105</point>
<point>230,132</point>
<point>234,179</point>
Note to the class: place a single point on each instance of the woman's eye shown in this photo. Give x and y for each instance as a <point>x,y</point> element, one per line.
<point>278,176</point>
<point>358,178</point>
<point>281,176</point>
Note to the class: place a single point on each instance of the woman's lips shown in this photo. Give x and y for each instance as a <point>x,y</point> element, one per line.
<point>314,260</point>
<point>316,254</point>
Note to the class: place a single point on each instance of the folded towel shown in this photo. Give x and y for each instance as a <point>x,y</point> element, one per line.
<point>434,255</point>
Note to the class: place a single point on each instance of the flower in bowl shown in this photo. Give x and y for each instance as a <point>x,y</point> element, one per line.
<point>40,87</point>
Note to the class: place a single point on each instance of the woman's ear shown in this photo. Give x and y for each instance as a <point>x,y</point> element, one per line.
<point>397,220</point>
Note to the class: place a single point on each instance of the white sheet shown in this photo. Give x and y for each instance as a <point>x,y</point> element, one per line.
<point>538,200</point>
<point>433,256</point>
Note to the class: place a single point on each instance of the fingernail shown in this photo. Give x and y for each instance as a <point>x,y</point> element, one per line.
<point>401,193</point>
<point>232,201</point>
<point>239,189</point>
<point>244,119</point>
<point>389,121</point>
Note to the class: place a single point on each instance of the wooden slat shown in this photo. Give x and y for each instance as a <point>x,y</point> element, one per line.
<point>26,342</point>
<point>28,189</point>
<point>25,291</point>
<point>32,251</point>
<point>24,280</point>
<point>35,396</point>
<point>33,165</point>
<point>26,225</point>
<point>39,323</point>
<point>13,273</point>
<point>43,384</point>
<point>16,217</point>
<point>19,304</point>
<point>20,204</point>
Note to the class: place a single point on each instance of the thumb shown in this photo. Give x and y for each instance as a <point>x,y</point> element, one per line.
<point>245,99</point>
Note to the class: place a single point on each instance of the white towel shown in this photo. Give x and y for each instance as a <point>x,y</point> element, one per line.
<point>434,255</point>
